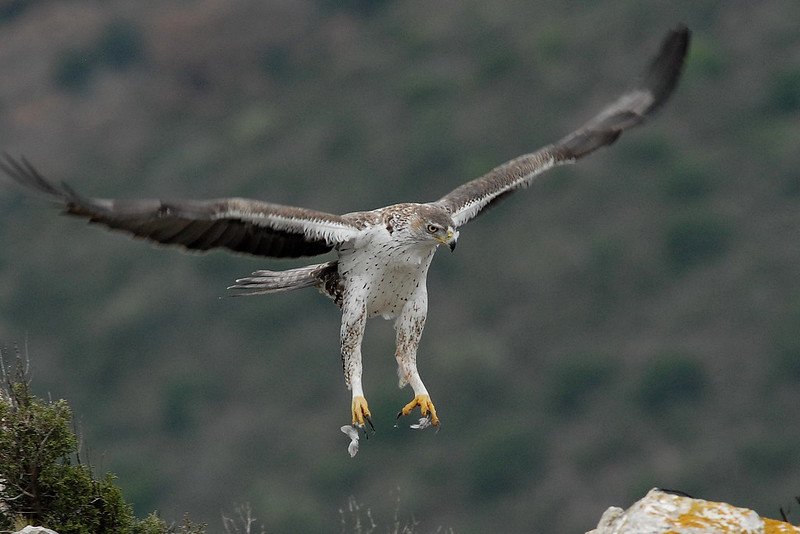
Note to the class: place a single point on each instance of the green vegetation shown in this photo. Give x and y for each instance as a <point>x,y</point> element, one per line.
<point>44,481</point>
<point>696,237</point>
<point>688,183</point>
<point>73,71</point>
<point>672,380</point>
<point>497,461</point>
<point>576,379</point>
<point>784,91</point>
<point>12,8</point>
<point>119,47</point>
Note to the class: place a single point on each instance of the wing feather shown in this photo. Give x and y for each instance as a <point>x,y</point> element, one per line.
<point>237,224</point>
<point>632,108</point>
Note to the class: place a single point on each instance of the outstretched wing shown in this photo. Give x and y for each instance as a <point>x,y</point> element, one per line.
<point>466,202</point>
<point>240,225</point>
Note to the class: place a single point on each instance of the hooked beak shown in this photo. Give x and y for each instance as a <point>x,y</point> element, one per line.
<point>452,239</point>
<point>449,240</point>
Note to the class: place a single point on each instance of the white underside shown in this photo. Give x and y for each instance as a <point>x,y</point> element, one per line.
<point>388,281</point>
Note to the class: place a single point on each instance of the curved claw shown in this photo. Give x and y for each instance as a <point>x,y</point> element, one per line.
<point>360,412</point>
<point>426,407</point>
<point>367,418</point>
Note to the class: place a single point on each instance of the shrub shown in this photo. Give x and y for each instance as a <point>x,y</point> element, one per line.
<point>43,479</point>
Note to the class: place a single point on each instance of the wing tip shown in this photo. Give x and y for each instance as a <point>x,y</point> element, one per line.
<point>654,89</point>
<point>665,71</point>
<point>25,175</point>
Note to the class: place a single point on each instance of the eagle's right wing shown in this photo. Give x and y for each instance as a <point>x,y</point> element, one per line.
<point>237,224</point>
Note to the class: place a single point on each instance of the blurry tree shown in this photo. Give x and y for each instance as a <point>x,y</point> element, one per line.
<point>73,70</point>
<point>672,379</point>
<point>120,45</point>
<point>695,237</point>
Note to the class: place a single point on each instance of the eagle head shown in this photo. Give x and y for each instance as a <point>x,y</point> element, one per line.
<point>433,224</point>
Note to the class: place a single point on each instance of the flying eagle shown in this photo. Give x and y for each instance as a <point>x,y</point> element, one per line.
<point>381,256</point>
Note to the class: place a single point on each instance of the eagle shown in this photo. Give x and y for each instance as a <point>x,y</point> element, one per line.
<point>380,257</point>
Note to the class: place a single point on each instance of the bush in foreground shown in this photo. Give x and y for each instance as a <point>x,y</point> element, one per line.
<point>42,478</point>
<point>44,482</point>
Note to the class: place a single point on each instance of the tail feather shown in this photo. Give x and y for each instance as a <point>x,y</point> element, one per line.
<point>266,282</point>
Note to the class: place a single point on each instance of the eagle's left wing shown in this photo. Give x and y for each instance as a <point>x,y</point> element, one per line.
<point>240,225</point>
<point>466,202</point>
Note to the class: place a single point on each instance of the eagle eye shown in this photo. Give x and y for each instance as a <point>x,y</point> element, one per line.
<point>432,228</point>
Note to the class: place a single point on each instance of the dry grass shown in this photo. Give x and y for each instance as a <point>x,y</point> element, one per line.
<point>358,520</point>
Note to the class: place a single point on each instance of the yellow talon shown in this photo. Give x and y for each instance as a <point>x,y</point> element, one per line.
<point>425,405</point>
<point>360,411</point>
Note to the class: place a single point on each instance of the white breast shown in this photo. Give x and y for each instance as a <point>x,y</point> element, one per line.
<point>383,273</point>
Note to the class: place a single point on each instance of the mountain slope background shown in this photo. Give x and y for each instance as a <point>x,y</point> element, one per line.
<point>627,322</point>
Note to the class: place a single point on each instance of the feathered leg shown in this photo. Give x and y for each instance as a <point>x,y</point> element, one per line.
<point>354,321</point>
<point>409,326</point>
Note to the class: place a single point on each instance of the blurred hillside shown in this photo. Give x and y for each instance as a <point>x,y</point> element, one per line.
<point>628,322</point>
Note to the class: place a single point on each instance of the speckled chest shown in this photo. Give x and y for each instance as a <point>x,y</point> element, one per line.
<point>383,273</point>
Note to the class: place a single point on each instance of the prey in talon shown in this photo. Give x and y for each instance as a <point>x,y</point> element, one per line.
<point>378,260</point>
<point>352,433</point>
<point>424,422</point>
<point>426,408</point>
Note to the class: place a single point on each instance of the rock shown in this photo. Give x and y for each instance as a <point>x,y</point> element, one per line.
<point>35,530</point>
<point>661,512</point>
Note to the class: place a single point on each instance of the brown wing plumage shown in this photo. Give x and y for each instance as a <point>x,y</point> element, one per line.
<point>240,225</point>
<point>632,108</point>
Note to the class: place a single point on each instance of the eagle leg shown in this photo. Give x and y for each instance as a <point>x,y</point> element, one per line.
<point>360,412</point>
<point>425,406</point>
